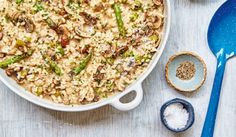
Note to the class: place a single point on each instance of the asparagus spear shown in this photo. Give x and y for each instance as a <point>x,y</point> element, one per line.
<point>53,65</point>
<point>38,6</point>
<point>59,49</point>
<point>51,23</point>
<point>19,1</point>
<point>119,20</point>
<point>83,64</point>
<point>17,58</point>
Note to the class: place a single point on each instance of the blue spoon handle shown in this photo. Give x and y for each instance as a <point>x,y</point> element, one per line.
<point>208,129</point>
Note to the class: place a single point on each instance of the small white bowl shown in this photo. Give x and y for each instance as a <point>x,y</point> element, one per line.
<point>192,84</point>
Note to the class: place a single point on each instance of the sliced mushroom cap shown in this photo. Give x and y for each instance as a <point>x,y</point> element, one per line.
<point>157,2</point>
<point>85,49</point>
<point>121,50</point>
<point>158,22</point>
<point>64,33</point>
<point>65,3</point>
<point>16,17</point>
<point>11,72</point>
<point>99,68</point>
<point>99,76</point>
<point>29,25</point>
<point>1,35</point>
<point>98,7</point>
<point>96,98</point>
<point>62,12</point>
<point>88,19</point>
<point>2,54</point>
<point>13,17</point>
<point>87,33</point>
<point>67,9</point>
<point>155,21</point>
<point>86,1</point>
<point>62,30</point>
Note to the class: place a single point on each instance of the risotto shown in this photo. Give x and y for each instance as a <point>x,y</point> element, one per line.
<point>76,52</point>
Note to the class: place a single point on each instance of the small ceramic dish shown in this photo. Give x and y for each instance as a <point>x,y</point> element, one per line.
<point>186,106</point>
<point>197,79</point>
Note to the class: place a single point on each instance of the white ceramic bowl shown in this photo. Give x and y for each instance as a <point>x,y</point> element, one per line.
<point>113,100</point>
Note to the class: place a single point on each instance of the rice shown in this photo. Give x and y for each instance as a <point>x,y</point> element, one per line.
<point>72,52</point>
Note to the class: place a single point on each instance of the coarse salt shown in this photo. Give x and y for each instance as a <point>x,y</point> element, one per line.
<point>176,116</point>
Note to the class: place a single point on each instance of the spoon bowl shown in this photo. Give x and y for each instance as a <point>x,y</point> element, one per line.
<point>222,42</point>
<point>222,30</point>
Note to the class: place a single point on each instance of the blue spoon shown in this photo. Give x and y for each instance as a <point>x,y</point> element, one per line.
<point>222,42</point>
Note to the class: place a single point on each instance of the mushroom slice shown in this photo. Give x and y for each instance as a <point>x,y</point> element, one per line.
<point>157,24</point>
<point>70,6</point>
<point>62,30</point>
<point>1,35</point>
<point>65,3</point>
<point>29,25</point>
<point>87,32</point>
<point>157,2</point>
<point>64,33</point>
<point>89,20</point>
<point>99,76</point>
<point>16,17</point>
<point>3,54</point>
<point>98,8</point>
<point>121,50</point>
<point>156,21</point>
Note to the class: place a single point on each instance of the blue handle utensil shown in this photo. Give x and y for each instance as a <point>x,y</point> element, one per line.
<point>222,42</point>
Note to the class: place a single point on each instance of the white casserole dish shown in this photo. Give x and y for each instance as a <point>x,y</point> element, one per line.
<point>113,100</point>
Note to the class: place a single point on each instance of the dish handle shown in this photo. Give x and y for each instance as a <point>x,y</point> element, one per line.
<point>116,103</point>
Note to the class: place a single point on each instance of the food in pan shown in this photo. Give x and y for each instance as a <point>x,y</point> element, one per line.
<point>77,52</point>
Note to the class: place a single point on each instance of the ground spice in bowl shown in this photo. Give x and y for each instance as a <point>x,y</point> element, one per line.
<point>186,70</point>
